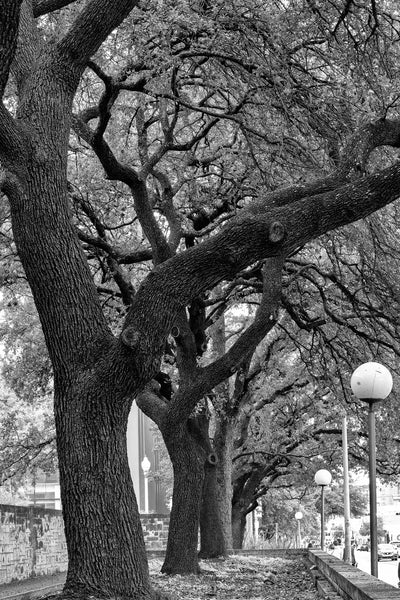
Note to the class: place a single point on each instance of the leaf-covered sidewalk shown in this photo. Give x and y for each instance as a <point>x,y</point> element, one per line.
<point>240,578</point>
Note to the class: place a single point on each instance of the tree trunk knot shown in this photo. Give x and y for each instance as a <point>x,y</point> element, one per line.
<point>130,337</point>
<point>175,331</point>
<point>276,232</point>
<point>212,458</point>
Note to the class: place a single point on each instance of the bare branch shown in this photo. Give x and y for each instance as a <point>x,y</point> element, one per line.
<point>167,205</point>
<point>125,286</point>
<point>257,232</point>
<point>114,169</point>
<point>118,171</point>
<point>210,376</point>
<point>137,256</point>
<point>264,321</point>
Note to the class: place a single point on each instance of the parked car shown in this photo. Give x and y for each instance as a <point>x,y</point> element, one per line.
<point>387,551</point>
<point>397,546</point>
<point>364,547</point>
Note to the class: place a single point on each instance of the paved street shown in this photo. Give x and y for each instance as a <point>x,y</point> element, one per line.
<point>387,569</point>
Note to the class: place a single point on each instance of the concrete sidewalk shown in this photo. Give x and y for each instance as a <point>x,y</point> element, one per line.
<point>34,587</point>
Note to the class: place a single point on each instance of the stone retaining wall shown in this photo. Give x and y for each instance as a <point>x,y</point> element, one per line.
<point>32,541</point>
<point>347,581</point>
<point>155,531</point>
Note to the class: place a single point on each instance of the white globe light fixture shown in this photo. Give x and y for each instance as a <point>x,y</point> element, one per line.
<point>298,516</point>
<point>372,382</point>
<point>322,478</point>
<point>146,465</point>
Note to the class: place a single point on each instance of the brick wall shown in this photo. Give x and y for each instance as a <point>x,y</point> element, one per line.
<point>155,531</point>
<point>32,541</point>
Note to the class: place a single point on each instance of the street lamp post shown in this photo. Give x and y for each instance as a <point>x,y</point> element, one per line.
<point>146,470</point>
<point>372,382</point>
<point>322,478</point>
<point>298,516</point>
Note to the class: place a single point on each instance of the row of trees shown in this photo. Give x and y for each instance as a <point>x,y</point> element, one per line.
<point>278,521</point>
<point>197,114</point>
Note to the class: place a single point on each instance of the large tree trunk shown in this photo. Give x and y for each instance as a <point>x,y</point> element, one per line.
<point>106,549</point>
<point>187,458</point>
<point>215,516</point>
<point>211,533</point>
<point>238,526</point>
<point>216,512</point>
<point>223,445</point>
<point>103,531</point>
<point>244,501</point>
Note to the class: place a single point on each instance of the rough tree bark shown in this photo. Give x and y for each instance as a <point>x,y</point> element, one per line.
<point>172,418</point>
<point>223,444</point>
<point>217,497</point>
<point>101,517</point>
<point>238,525</point>
<point>216,540</point>
<point>215,514</point>
<point>211,534</point>
<point>97,375</point>
<point>243,503</point>
<point>187,457</point>
<point>104,538</point>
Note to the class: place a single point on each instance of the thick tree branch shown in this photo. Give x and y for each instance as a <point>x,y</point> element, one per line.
<point>137,256</point>
<point>186,350</point>
<point>264,321</point>
<point>11,138</point>
<point>207,378</point>
<point>168,209</point>
<point>353,160</point>
<point>256,233</point>
<point>44,7</point>
<point>92,27</point>
<point>9,23</point>
<point>28,47</point>
<point>152,403</point>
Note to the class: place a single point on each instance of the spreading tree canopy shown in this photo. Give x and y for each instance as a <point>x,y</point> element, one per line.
<point>228,134</point>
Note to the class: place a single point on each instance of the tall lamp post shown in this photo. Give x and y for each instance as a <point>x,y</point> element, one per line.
<point>145,464</point>
<point>372,382</point>
<point>322,478</point>
<point>298,516</point>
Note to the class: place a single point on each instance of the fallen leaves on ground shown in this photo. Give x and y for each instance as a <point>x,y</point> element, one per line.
<point>240,578</point>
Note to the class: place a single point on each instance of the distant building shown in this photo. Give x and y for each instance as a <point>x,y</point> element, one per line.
<point>388,500</point>
<point>45,490</point>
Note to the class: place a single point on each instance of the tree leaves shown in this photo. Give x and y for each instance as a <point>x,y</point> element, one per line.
<point>241,577</point>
